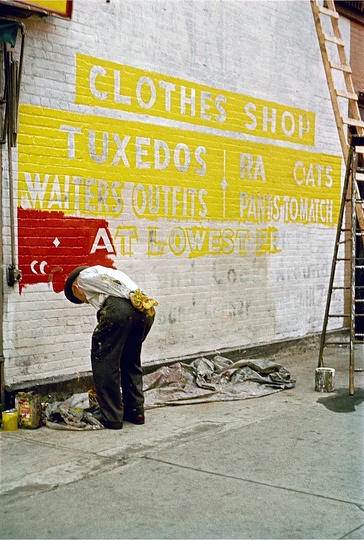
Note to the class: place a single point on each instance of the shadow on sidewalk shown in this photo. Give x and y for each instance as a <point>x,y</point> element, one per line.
<point>342,402</point>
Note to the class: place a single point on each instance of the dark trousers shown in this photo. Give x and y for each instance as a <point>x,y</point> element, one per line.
<point>115,358</point>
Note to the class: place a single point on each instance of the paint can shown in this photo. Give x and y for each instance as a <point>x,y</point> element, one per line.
<point>10,420</point>
<point>92,397</point>
<point>324,379</point>
<point>29,409</point>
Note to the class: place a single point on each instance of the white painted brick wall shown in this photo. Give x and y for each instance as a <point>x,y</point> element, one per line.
<point>264,49</point>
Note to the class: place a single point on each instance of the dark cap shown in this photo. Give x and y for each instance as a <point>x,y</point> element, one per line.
<point>68,285</point>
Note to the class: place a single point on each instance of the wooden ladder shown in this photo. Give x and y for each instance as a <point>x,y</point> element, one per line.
<point>329,44</point>
<point>352,236</point>
<point>347,115</point>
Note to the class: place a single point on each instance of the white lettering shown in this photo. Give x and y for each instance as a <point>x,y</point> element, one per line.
<point>95,72</point>
<point>146,82</point>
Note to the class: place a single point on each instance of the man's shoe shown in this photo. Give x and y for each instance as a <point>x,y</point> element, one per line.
<point>135,418</point>
<point>111,425</point>
<point>106,423</point>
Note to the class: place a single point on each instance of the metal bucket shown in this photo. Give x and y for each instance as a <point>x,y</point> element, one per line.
<point>324,379</point>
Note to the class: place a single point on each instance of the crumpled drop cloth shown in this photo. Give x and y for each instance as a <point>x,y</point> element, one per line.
<point>204,380</point>
<point>217,379</point>
<point>72,414</point>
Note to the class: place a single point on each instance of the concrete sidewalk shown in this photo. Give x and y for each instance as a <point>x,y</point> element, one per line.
<point>287,465</point>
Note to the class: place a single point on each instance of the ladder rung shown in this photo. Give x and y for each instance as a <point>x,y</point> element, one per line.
<point>347,95</point>
<point>353,122</point>
<point>335,343</point>
<point>342,67</point>
<point>337,315</point>
<point>328,12</point>
<point>334,39</point>
<point>360,170</point>
<point>359,370</point>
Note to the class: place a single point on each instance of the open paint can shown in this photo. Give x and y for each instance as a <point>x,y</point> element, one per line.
<point>10,420</point>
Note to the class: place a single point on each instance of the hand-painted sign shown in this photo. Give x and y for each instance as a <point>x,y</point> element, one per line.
<point>100,83</point>
<point>186,169</point>
<point>99,166</point>
<point>51,245</point>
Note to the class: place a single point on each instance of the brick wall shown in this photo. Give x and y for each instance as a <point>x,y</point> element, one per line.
<point>190,144</point>
<point>357,55</point>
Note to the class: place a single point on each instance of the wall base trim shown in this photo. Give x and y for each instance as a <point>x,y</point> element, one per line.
<point>60,387</point>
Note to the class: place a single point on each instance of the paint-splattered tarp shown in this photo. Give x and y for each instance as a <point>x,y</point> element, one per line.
<point>217,379</point>
<point>204,380</point>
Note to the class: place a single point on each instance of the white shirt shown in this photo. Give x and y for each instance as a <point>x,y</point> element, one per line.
<point>99,282</point>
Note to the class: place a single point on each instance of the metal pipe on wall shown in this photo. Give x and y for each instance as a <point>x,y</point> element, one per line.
<point>2,359</point>
<point>15,72</point>
<point>12,75</point>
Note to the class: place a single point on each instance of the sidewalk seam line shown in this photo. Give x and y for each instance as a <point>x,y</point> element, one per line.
<point>351,532</point>
<point>302,492</point>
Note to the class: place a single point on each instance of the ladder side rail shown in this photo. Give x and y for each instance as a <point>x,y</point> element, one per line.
<point>352,275</point>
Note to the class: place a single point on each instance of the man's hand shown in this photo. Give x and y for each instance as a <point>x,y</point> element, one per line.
<point>142,302</point>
